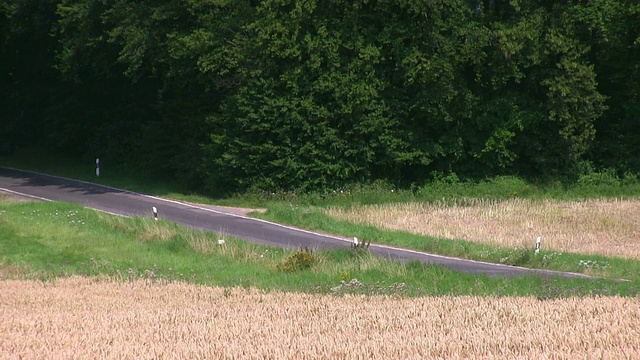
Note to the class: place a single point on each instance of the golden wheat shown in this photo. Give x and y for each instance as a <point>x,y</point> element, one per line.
<point>606,227</point>
<point>99,318</point>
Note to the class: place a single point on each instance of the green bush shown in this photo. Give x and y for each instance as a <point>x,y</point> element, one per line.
<point>300,260</point>
<point>607,177</point>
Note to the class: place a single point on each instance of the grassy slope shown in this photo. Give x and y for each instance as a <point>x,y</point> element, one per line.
<point>313,218</point>
<point>47,240</point>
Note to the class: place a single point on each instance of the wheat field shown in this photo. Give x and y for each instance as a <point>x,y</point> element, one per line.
<point>604,227</point>
<point>98,318</point>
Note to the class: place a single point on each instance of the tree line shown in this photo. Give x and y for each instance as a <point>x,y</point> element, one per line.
<point>312,95</point>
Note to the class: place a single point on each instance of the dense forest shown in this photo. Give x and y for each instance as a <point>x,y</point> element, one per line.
<point>227,95</point>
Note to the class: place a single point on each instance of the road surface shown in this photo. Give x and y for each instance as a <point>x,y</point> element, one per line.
<point>127,203</point>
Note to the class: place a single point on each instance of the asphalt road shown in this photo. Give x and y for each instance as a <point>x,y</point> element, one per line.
<point>127,203</point>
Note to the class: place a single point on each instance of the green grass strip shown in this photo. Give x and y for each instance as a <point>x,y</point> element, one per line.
<point>313,218</point>
<point>49,240</point>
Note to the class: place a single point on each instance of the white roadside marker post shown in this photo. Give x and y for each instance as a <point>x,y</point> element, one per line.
<point>155,213</point>
<point>537,249</point>
<point>97,167</point>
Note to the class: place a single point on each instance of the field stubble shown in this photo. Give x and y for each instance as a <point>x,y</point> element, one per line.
<point>100,318</point>
<point>602,227</point>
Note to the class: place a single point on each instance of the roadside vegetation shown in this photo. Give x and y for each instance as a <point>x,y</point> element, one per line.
<point>586,228</point>
<point>44,241</point>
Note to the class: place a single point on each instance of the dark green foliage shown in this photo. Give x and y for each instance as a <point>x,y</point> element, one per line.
<point>283,95</point>
<point>311,114</point>
<point>28,84</point>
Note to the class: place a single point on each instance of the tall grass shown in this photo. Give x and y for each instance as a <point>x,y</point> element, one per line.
<point>592,184</point>
<point>595,185</point>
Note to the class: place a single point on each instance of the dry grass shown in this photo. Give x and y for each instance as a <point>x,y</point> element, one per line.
<point>606,227</point>
<point>99,318</point>
<point>14,271</point>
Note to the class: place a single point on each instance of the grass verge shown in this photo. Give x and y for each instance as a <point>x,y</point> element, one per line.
<point>306,210</point>
<point>314,218</point>
<point>49,240</point>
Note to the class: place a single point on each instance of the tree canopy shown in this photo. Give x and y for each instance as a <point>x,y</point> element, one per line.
<point>312,95</point>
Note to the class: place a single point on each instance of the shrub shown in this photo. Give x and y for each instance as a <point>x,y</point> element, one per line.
<point>606,177</point>
<point>300,260</point>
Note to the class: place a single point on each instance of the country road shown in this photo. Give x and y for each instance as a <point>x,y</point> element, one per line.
<point>127,203</point>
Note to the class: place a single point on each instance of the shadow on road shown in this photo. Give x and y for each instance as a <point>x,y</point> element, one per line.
<point>31,179</point>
